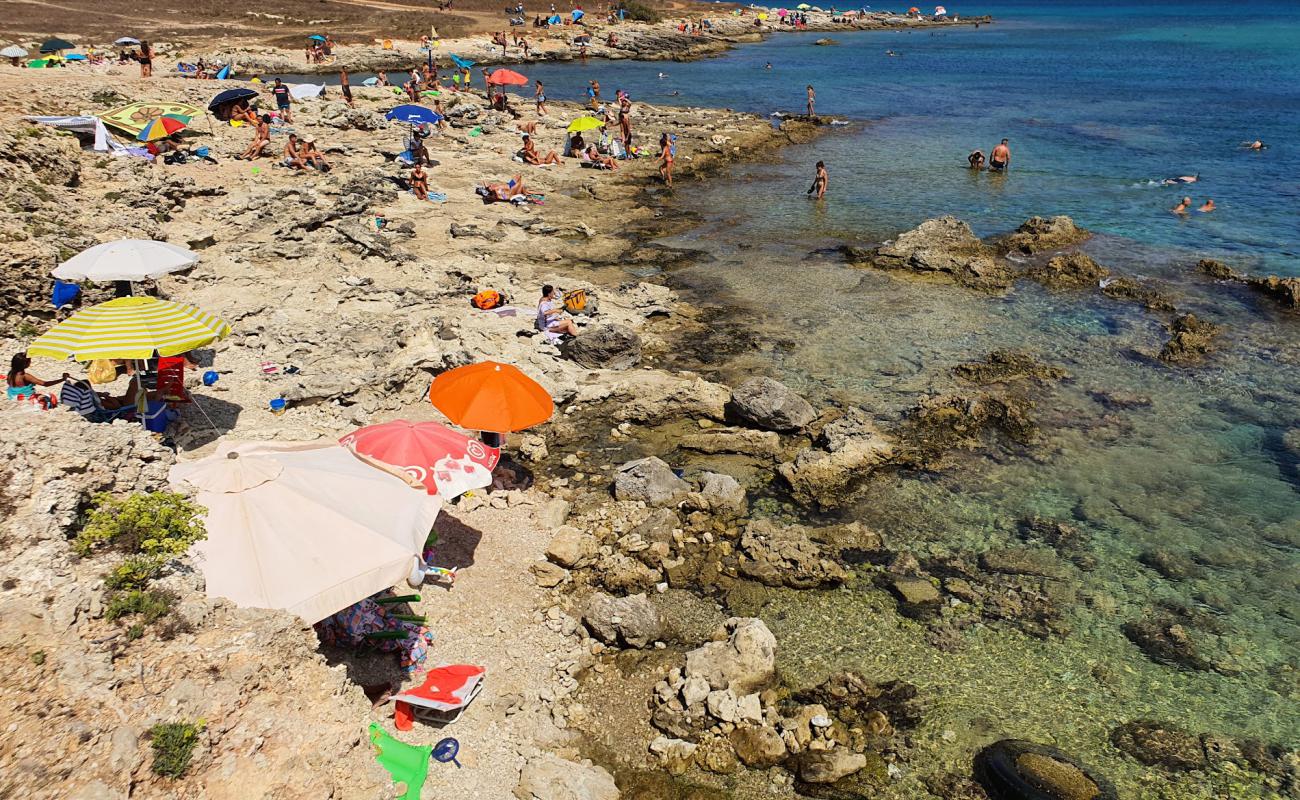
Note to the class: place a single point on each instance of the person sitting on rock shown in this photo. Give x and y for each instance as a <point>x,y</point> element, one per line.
<point>420,182</point>
<point>261,138</point>
<point>292,158</point>
<point>550,314</point>
<point>593,155</point>
<point>22,384</point>
<point>313,156</point>
<point>530,156</point>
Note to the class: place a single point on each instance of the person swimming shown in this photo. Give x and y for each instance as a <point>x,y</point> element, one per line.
<point>1182,206</point>
<point>1256,145</point>
<point>1207,206</point>
<point>768,65</point>
<point>1181,179</point>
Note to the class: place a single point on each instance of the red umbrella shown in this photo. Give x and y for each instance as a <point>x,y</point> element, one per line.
<point>506,77</point>
<point>447,462</point>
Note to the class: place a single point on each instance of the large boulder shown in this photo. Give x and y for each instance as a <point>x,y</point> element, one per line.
<point>631,620</point>
<point>549,777</point>
<point>1043,233</point>
<point>825,476</point>
<point>771,405</point>
<point>721,494</point>
<point>649,480</point>
<point>1015,768</point>
<point>944,246</point>
<point>829,766</point>
<point>605,347</point>
<point>779,555</point>
<point>745,441</point>
<point>744,660</point>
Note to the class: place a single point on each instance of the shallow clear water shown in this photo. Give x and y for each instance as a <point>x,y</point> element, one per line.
<point>1097,100</point>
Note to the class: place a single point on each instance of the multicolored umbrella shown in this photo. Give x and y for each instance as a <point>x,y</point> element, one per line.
<point>132,117</point>
<point>506,77</point>
<point>446,462</point>
<point>585,124</point>
<point>162,127</point>
<point>130,327</point>
<point>490,397</point>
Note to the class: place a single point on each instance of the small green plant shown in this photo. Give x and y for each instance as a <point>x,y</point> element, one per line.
<point>26,330</point>
<point>173,747</point>
<point>640,12</point>
<point>135,572</point>
<point>38,657</point>
<point>162,524</point>
<point>150,605</point>
<point>134,632</point>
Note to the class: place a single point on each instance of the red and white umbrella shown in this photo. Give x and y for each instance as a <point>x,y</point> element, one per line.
<point>448,463</point>
<point>940,11</point>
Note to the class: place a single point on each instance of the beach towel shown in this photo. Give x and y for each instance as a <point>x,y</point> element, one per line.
<point>445,693</point>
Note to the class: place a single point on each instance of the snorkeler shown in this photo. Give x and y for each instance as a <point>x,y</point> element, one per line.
<point>1181,179</point>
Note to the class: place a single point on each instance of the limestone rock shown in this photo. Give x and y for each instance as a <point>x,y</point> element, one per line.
<point>676,755</point>
<point>604,347</point>
<point>649,480</point>
<point>760,444</point>
<point>571,547</point>
<point>759,747</point>
<point>1004,366</point>
<point>631,620</point>
<point>549,777</point>
<point>1039,233</point>
<point>917,596</point>
<point>829,766</point>
<point>744,662</point>
<point>771,405</point>
<point>720,494</point>
<point>944,246</point>
<point>1015,768</point>
<point>1072,270</point>
<point>779,555</point>
<point>1189,339</point>
<point>825,477</point>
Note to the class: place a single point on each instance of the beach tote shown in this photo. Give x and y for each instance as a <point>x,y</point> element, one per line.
<point>101,370</point>
<point>575,302</point>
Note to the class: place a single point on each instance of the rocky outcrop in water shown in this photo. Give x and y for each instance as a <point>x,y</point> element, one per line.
<point>1286,291</point>
<point>1180,637</point>
<point>1043,233</point>
<point>786,555</point>
<point>1004,366</point>
<point>850,448</point>
<point>943,423</point>
<point>771,405</point>
<point>651,481</point>
<point>1170,748</point>
<point>1013,769</point>
<point>946,247</point>
<point>1069,271</point>
<point>1190,339</point>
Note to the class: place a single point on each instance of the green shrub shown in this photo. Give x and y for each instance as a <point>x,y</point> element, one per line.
<point>26,330</point>
<point>173,747</point>
<point>150,604</point>
<point>135,572</point>
<point>159,524</point>
<point>639,12</point>
<point>38,657</point>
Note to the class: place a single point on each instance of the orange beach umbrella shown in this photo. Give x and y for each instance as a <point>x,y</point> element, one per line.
<point>506,77</point>
<point>491,397</point>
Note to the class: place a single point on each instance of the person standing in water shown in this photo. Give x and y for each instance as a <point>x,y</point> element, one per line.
<point>818,188</point>
<point>812,100</point>
<point>1182,206</point>
<point>1000,158</point>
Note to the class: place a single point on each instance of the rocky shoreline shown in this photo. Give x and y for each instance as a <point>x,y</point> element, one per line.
<point>639,588</point>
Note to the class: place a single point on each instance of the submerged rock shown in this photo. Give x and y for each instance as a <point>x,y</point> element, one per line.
<point>826,477</point>
<point>744,661</point>
<point>771,405</point>
<point>917,597</point>
<point>1072,270</point>
<point>945,246</point>
<point>760,444</point>
<point>1286,291</point>
<point>1013,769</point>
<point>1121,288</point>
<point>1002,366</point>
<point>1166,640</point>
<point>941,423</point>
<point>1158,744</point>
<point>604,347</point>
<point>1189,339</point>
<point>1043,233</point>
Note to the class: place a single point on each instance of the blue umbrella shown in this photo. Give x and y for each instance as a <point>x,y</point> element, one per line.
<point>555,20</point>
<point>578,14</point>
<point>316,37</point>
<point>413,114</point>
<point>463,63</point>
<point>231,96</point>
<point>55,45</point>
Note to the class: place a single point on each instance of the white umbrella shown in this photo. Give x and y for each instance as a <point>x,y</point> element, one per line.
<point>307,527</point>
<point>13,51</point>
<point>126,260</point>
<point>127,40</point>
<point>302,91</point>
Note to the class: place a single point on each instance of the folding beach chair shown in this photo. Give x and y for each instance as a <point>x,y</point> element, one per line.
<point>80,397</point>
<point>441,699</point>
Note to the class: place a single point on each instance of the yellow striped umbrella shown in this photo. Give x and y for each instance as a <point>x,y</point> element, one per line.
<point>130,327</point>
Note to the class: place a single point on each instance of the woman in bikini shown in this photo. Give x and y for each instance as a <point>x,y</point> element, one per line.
<point>22,384</point>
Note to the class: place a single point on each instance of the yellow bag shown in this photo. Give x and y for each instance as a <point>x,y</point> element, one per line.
<point>575,302</point>
<point>102,370</point>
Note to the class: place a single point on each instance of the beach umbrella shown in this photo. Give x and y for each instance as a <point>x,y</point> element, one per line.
<point>306,527</point>
<point>782,13</point>
<point>803,6</point>
<point>130,327</point>
<point>125,40</point>
<point>940,11</point>
<point>162,127</point>
<point>231,96</point>
<point>126,260</point>
<point>463,63</point>
<point>55,45</point>
<point>491,397</point>
<point>13,51</point>
<point>506,77</point>
<point>414,115</point>
<point>446,462</point>
<point>585,124</point>
<point>578,14</point>
<point>316,37</point>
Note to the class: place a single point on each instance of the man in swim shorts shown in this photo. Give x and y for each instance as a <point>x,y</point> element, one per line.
<point>1000,159</point>
<point>283,100</point>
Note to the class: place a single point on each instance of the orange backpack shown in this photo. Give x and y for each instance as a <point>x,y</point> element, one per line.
<point>488,299</point>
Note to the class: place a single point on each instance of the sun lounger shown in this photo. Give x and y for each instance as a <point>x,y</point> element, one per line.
<point>587,162</point>
<point>441,699</point>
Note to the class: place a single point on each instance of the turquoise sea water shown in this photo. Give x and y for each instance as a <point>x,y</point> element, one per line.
<point>1097,99</point>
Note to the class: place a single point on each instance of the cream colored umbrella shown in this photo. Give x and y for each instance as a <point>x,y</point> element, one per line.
<point>307,527</point>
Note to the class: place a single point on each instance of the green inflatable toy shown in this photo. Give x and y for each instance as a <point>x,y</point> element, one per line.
<point>407,763</point>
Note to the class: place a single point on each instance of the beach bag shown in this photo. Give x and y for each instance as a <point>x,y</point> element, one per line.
<point>488,299</point>
<point>579,302</point>
<point>102,370</point>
